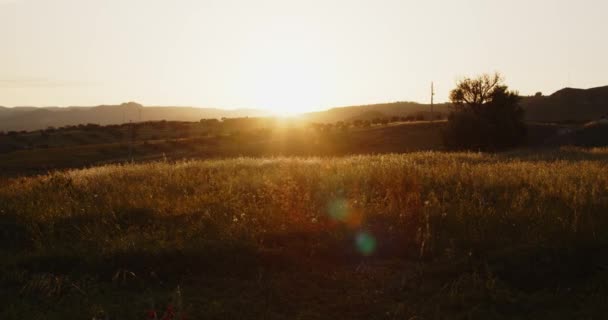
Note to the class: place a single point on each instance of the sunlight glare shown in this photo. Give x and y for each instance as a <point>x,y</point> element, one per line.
<point>284,74</point>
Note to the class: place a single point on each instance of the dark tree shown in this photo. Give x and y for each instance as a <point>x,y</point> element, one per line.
<point>486,115</point>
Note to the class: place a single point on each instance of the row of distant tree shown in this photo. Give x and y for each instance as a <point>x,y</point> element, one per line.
<point>345,125</point>
<point>229,124</point>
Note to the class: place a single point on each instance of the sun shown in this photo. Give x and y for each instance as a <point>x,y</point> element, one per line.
<point>287,75</point>
<point>288,89</point>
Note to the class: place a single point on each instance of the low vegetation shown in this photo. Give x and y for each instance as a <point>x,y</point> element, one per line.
<point>419,236</point>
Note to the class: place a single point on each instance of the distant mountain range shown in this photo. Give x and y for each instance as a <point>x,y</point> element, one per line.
<point>31,118</point>
<point>566,105</point>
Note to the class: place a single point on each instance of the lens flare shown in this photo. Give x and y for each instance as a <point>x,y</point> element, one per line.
<point>341,210</point>
<point>366,243</point>
<point>338,210</point>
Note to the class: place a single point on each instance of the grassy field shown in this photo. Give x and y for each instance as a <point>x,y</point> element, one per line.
<point>425,235</point>
<point>109,145</point>
<point>398,137</point>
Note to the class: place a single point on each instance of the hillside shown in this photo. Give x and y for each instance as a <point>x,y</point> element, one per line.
<point>29,118</point>
<point>80,147</point>
<point>364,112</point>
<point>593,134</point>
<point>568,105</point>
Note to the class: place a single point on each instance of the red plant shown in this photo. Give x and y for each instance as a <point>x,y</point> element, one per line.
<point>151,315</point>
<point>169,314</point>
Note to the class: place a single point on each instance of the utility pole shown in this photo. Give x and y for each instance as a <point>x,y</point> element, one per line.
<point>131,138</point>
<point>432,101</point>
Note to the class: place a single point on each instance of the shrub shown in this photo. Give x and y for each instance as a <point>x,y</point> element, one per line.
<point>486,115</point>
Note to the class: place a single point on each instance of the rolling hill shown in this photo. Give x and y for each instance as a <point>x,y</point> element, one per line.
<point>367,112</point>
<point>564,106</point>
<point>568,105</point>
<point>29,118</point>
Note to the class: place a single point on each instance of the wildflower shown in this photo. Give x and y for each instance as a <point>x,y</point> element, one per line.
<point>170,313</point>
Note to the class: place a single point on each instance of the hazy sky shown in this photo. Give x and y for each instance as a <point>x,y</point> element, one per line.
<point>290,55</point>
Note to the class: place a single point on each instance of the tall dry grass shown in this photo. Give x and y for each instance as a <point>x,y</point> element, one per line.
<point>431,235</point>
<point>423,204</point>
